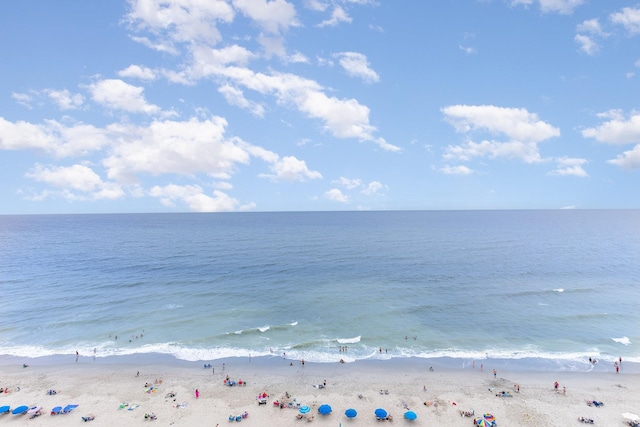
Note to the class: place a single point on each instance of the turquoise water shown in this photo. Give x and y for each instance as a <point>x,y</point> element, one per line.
<point>554,287</point>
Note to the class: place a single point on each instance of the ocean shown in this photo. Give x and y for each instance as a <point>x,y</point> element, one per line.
<point>543,289</point>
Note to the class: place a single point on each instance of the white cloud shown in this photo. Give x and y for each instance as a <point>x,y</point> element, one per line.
<point>617,130</point>
<point>565,7</point>
<point>591,26</point>
<point>456,170</point>
<point>65,100</point>
<point>337,16</point>
<point>138,72</point>
<point>296,58</point>
<point>23,99</point>
<point>73,179</point>
<point>172,147</point>
<point>587,44</point>
<point>317,5</point>
<point>629,160</point>
<point>181,21</point>
<point>273,16</point>
<point>234,96</point>
<point>567,166</point>
<point>290,168</point>
<point>515,123</point>
<point>336,195</point>
<point>469,50</point>
<point>372,188</point>
<point>629,18</point>
<point>588,33</point>
<point>348,183</point>
<point>194,197</point>
<point>52,137</point>
<point>356,64</point>
<point>154,45</point>
<point>115,94</point>
<point>522,129</point>
<point>343,118</point>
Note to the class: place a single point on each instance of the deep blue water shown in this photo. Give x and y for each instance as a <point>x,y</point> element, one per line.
<point>558,286</point>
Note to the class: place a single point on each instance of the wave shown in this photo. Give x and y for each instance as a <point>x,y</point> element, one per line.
<point>349,340</point>
<point>264,328</point>
<point>623,340</point>
<point>316,352</point>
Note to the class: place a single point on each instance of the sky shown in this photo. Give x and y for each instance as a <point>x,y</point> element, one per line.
<point>318,105</point>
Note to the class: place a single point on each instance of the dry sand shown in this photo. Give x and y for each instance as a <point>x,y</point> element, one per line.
<point>100,387</point>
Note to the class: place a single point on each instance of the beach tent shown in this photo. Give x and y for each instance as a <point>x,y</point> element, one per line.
<point>324,409</point>
<point>410,415</point>
<point>351,413</point>
<point>20,410</point>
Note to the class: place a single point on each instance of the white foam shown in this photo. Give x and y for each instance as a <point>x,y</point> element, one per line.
<point>623,340</point>
<point>349,340</point>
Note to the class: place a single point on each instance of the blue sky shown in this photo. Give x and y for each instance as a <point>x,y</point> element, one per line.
<point>256,105</point>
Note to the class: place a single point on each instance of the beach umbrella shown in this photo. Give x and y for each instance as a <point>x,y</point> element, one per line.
<point>380,413</point>
<point>69,408</point>
<point>410,415</point>
<point>304,409</point>
<point>627,415</point>
<point>324,409</point>
<point>5,409</point>
<point>34,409</point>
<point>20,410</point>
<point>351,413</point>
<point>481,422</point>
<point>489,417</point>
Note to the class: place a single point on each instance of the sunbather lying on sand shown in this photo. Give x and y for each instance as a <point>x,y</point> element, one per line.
<point>585,420</point>
<point>470,413</point>
<point>595,403</point>
<point>89,417</point>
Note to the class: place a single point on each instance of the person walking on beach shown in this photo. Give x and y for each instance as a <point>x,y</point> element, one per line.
<point>495,373</point>
<point>197,394</point>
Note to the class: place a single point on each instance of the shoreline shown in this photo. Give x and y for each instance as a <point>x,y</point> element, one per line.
<point>533,365</point>
<point>100,387</point>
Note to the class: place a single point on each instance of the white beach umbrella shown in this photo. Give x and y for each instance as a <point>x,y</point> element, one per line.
<point>631,417</point>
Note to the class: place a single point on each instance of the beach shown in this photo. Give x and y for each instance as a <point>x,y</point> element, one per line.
<point>120,391</point>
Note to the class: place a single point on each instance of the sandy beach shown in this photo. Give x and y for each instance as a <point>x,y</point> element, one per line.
<point>121,393</point>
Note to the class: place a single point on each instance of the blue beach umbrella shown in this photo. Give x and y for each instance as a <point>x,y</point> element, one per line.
<point>351,413</point>
<point>324,409</point>
<point>69,408</point>
<point>20,410</point>
<point>410,415</point>
<point>381,413</point>
<point>5,409</point>
<point>304,409</point>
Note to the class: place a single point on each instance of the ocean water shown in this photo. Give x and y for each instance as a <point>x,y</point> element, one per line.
<point>542,287</point>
